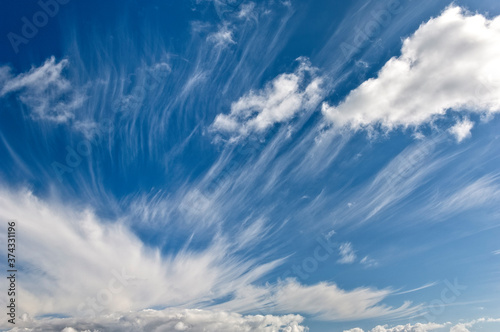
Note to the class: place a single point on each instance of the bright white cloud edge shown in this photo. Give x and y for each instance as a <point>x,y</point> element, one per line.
<point>429,326</point>
<point>450,62</point>
<point>47,93</point>
<point>171,319</point>
<point>280,101</point>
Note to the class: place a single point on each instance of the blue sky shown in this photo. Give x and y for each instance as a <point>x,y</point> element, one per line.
<point>229,165</point>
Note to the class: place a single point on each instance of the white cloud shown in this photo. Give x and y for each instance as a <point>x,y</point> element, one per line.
<point>424,327</point>
<point>404,174</point>
<point>459,328</point>
<point>347,253</point>
<point>356,329</point>
<point>368,262</point>
<point>169,320</point>
<point>44,90</point>
<point>328,302</point>
<point>247,11</point>
<point>461,130</point>
<point>196,204</point>
<point>418,288</point>
<point>481,192</point>
<point>280,101</point>
<point>418,327</point>
<point>324,301</point>
<point>65,246</point>
<point>464,327</point>
<point>450,62</point>
<point>223,37</point>
<point>70,329</point>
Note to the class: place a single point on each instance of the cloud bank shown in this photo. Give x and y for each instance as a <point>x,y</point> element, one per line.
<point>419,327</point>
<point>425,327</point>
<point>168,320</point>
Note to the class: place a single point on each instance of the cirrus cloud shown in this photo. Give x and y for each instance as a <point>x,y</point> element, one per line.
<point>44,89</point>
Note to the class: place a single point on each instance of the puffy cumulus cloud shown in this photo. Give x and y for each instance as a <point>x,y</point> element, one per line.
<point>281,100</point>
<point>459,328</point>
<point>461,130</point>
<point>424,327</point>
<point>450,62</point>
<point>464,327</point>
<point>356,329</point>
<point>168,320</point>
<point>419,327</point>
<point>44,90</point>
